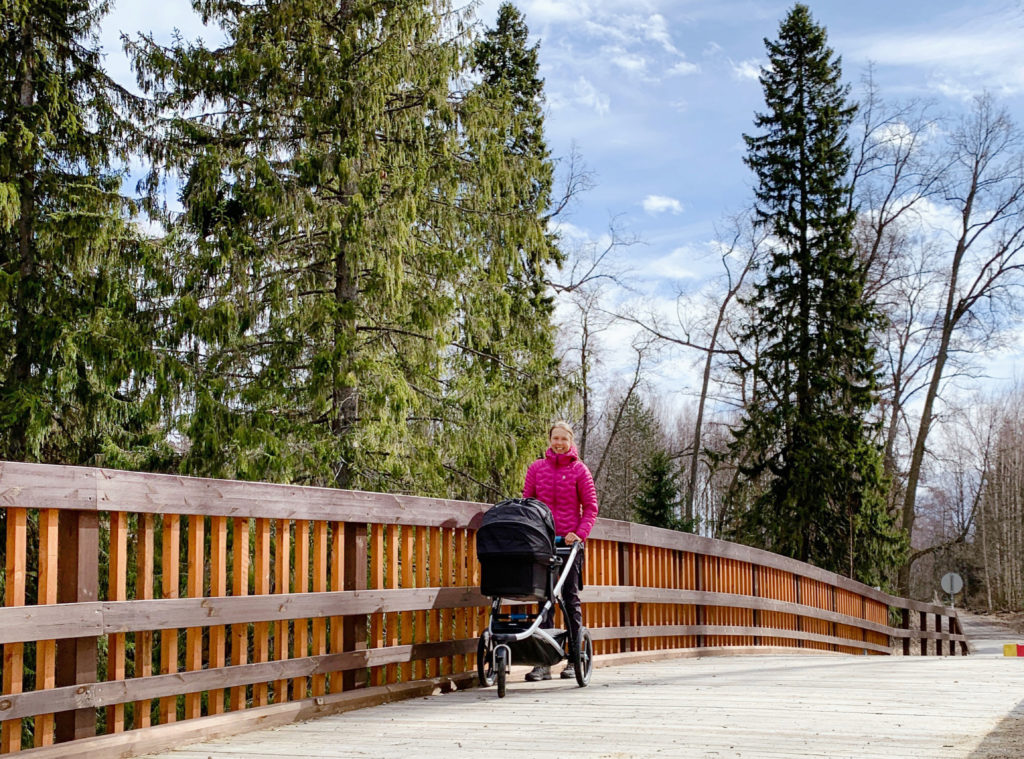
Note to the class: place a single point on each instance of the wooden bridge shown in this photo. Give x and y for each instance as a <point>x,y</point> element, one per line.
<point>144,612</point>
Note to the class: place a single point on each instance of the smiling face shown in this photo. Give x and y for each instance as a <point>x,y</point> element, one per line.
<point>560,440</point>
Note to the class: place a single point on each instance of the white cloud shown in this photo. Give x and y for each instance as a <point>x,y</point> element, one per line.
<point>635,64</point>
<point>683,68</point>
<point>675,266</point>
<point>655,28</point>
<point>588,95</point>
<point>748,69</point>
<point>660,204</point>
<point>556,11</point>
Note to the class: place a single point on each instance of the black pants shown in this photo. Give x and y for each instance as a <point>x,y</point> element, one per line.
<point>571,595</point>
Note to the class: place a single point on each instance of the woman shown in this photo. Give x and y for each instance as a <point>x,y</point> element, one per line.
<point>564,483</point>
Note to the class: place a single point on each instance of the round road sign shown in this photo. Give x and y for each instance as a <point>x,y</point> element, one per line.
<point>952,583</point>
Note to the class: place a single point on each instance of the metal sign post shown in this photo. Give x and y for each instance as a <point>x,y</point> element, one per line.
<point>952,583</point>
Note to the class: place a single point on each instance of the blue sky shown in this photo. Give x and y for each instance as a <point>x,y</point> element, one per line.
<point>656,94</point>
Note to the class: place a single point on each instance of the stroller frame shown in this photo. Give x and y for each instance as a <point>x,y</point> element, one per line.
<point>520,634</point>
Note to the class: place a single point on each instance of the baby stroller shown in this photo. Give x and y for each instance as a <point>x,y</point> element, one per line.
<point>520,561</point>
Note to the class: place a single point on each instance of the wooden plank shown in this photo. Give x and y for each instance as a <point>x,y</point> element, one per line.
<point>117,590</point>
<point>169,579</point>
<point>318,685</point>
<point>97,489</point>
<point>218,589</point>
<point>77,582</point>
<point>194,588</point>
<point>420,617</point>
<point>160,737</point>
<point>354,625</point>
<point>376,581</point>
<point>237,697</point>
<point>103,694</point>
<point>391,581</point>
<point>434,580</point>
<point>14,595</point>
<point>144,577</point>
<point>408,552</point>
<point>337,624</point>
<point>82,488</point>
<point>300,586</point>
<point>261,586</point>
<point>46,650</point>
<point>282,584</point>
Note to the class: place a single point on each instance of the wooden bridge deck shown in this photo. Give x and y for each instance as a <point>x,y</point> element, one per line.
<point>772,706</point>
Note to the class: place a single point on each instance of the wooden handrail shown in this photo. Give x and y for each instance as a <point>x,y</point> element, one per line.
<point>255,595</point>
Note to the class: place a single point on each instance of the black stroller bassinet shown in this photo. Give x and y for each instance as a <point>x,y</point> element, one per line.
<point>520,560</point>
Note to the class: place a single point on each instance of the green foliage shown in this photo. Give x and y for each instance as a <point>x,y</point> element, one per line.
<point>79,286</point>
<point>360,300</point>
<point>658,502</point>
<point>811,482</point>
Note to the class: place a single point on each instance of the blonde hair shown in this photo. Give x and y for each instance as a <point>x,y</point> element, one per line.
<point>562,425</point>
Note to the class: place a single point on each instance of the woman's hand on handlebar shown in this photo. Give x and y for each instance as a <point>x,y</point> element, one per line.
<point>571,538</point>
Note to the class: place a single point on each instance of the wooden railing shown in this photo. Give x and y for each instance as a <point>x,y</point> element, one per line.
<point>136,604</point>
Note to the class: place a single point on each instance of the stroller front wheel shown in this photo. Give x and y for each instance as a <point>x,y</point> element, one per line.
<point>583,658</point>
<point>484,664</point>
<point>501,668</point>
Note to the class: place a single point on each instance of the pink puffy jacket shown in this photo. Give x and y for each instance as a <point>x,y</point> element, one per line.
<point>564,483</point>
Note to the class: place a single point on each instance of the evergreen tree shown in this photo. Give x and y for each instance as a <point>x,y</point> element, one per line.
<point>810,465</point>
<point>657,502</point>
<point>504,377</point>
<point>77,285</point>
<point>345,315</point>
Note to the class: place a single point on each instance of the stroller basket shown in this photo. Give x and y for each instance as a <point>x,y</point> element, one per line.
<point>516,548</point>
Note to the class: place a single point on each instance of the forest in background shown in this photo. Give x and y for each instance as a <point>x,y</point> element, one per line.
<point>358,284</point>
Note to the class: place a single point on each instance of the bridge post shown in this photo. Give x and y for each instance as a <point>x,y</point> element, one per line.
<point>625,608</point>
<point>924,628</point>
<point>905,625</point>
<point>354,627</point>
<point>77,582</point>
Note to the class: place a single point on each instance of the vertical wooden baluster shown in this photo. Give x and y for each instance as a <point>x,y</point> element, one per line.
<point>377,581</point>
<point>261,587</point>
<point>433,581</point>
<point>194,589</point>
<point>117,590</point>
<point>391,581</point>
<point>218,589</point>
<point>337,679</point>
<point>460,663</point>
<point>144,570</point>
<point>300,633</point>
<point>239,587</point>
<point>282,579</point>
<point>14,595</point>
<point>169,578</point>
<point>407,569</point>
<point>420,631</point>
<point>354,630</point>
<point>319,684</point>
<point>46,650</point>
<point>447,581</point>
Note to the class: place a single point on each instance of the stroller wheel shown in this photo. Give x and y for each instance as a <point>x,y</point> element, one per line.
<point>583,660</point>
<point>484,664</point>
<point>501,668</point>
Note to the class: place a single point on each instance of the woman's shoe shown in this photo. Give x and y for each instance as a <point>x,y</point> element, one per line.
<point>539,673</point>
<point>568,672</point>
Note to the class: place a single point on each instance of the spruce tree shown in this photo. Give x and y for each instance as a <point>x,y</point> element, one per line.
<point>78,284</point>
<point>657,502</point>
<point>504,384</point>
<point>809,462</point>
<point>344,315</point>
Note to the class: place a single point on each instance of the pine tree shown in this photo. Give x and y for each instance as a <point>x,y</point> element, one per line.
<point>78,286</point>
<point>658,501</point>
<point>810,465</point>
